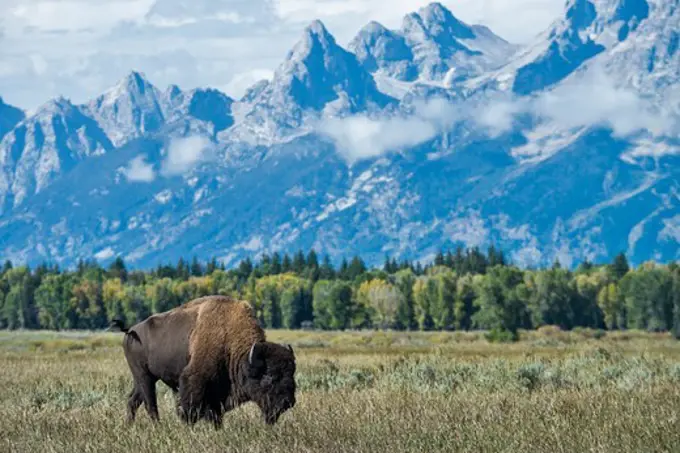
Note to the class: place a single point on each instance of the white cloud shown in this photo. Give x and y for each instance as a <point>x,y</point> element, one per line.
<point>592,100</point>
<point>588,100</point>
<point>138,170</point>
<point>79,14</point>
<point>498,117</point>
<point>175,13</point>
<point>182,155</point>
<point>185,153</point>
<point>343,16</point>
<point>361,137</point>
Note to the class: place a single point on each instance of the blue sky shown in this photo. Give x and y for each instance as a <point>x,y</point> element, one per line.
<point>78,48</point>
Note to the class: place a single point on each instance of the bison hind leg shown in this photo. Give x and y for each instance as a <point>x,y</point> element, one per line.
<point>147,385</point>
<point>135,400</point>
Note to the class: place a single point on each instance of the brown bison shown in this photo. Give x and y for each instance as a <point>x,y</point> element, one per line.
<point>214,354</point>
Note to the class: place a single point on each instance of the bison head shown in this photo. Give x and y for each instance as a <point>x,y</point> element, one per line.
<point>270,382</point>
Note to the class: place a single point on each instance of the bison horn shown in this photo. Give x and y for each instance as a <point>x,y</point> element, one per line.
<point>250,355</point>
<point>290,348</point>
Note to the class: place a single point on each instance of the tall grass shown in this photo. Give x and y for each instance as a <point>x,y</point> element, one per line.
<point>383,392</point>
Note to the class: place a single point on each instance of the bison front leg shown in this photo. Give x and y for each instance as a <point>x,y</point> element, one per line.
<point>191,398</point>
<point>214,415</point>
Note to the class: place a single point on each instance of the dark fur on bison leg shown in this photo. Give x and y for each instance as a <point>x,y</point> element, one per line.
<point>214,415</point>
<point>191,394</point>
<point>148,388</point>
<point>135,400</point>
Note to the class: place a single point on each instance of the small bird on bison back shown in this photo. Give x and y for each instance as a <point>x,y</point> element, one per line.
<point>214,356</point>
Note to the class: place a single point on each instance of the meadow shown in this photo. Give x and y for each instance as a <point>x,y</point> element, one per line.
<point>553,391</point>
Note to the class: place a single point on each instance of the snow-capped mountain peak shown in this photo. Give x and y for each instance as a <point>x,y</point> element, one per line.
<point>439,21</point>
<point>377,48</point>
<point>40,148</point>
<point>129,109</point>
<point>591,30</point>
<point>317,77</point>
<point>431,46</point>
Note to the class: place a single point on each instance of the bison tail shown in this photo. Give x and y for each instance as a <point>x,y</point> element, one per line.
<point>118,324</point>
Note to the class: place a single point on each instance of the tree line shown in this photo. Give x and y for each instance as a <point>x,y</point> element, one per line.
<point>466,289</point>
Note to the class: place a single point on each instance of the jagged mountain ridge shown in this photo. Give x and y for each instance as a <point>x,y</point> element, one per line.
<point>431,45</point>
<point>45,145</point>
<point>318,77</point>
<point>275,184</point>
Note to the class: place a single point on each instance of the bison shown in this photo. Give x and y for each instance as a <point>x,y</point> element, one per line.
<point>213,353</point>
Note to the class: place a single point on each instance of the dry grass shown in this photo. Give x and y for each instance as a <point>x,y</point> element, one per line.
<point>381,392</point>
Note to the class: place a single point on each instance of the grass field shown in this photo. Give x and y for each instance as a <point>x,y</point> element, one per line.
<point>368,392</point>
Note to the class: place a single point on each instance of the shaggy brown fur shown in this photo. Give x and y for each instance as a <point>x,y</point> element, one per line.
<point>215,355</point>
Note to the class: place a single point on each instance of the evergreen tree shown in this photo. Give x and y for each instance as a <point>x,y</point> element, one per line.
<point>343,273</point>
<point>212,266</point>
<point>275,264</point>
<point>6,267</point>
<point>245,268</point>
<point>439,259</point>
<point>286,264</point>
<point>117,269</point>
<point>356,268</point>
<point>312,270</point>
<point>326,272</point>
<point>182,271</point>
<point>495,257</point>
<point>459,262</point>
<point>585,267</point>
<point>299,263</point>
<point>312,260</point>
<point>620,267</point>
<point>387,266</point>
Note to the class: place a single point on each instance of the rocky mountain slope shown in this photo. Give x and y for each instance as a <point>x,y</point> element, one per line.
<point>437,134</point>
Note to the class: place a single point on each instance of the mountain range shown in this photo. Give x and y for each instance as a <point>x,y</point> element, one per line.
<point>402,143</point>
